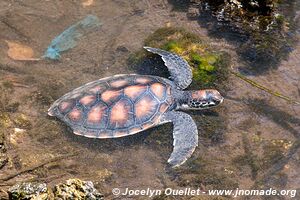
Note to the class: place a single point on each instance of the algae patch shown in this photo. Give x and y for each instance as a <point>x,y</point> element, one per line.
<point>209,66</point>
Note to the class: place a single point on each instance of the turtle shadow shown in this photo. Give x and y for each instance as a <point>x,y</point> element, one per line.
<point>147,138</point>
<point>211,125</point>
<point>276,115</point>
<point>180,5</point>
<point>106,145</point>
<point>206,112</point>
<point>158,138</point>
<point>150,65</point>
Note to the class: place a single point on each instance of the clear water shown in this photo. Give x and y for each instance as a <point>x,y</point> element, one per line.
<point>255,143</point>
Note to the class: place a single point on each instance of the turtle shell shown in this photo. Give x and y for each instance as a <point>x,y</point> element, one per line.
<point>116,106</point>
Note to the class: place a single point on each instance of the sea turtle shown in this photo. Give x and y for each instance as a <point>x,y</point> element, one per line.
<point>126,104</point>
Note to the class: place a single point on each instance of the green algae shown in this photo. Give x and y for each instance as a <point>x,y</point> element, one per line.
<point>209,67</point>
<point>162,36</point>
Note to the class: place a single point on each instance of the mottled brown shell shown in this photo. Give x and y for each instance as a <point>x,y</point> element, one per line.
<point>116,106</point>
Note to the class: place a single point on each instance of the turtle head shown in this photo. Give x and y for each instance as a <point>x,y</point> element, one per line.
<point>202,99</point>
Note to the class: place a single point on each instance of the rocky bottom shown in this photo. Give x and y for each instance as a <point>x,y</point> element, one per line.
<point>71,189</point>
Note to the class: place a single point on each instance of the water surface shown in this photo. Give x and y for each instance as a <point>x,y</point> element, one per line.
<point>255,142</point>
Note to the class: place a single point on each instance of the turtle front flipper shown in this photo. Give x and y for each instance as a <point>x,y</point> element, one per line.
<point>185,135</point>
<point>181,72</point>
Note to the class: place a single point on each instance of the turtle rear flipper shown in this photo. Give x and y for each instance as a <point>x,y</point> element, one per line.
<point>180,70</point>
<point>185,135</point>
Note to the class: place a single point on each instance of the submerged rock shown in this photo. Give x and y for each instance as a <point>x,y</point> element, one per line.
<point>77,189</point>
<point>3,155</point>
<point>29,191</point>
<point>72,189</point>
<point>4,123</point>
<point>264,30</point>
<point>249,14</point>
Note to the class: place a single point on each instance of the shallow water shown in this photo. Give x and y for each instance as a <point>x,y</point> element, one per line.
<point>255,143</point>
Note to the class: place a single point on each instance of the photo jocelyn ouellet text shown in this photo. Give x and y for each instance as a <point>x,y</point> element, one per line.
<point>197,192</point>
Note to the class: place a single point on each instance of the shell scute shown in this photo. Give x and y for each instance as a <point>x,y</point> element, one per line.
<point>159,90</point>
<point>145,108</point>
<point>134,130</point>
<point>118,134</point>
<point>97,117</point>
<point>110,96</point>
<point>119,83</point>
<point>75,116</point>
<point>121,115</point>
<point>163,107</point>
<point>105,134</point>
<point>143,80</point>
<point>87,133</point>
<point>65,106</point>
<point>134,91</point>
<point>97,89</point>
<point>87,100</point>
